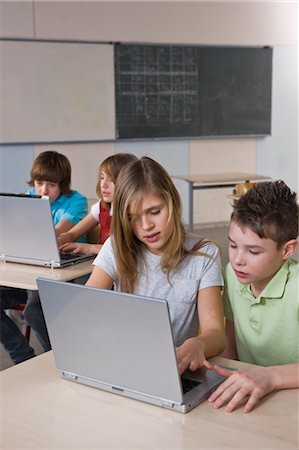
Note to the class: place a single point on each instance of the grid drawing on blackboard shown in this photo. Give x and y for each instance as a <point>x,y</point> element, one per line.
<point>156,85</point>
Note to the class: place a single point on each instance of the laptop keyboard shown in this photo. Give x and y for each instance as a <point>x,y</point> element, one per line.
<point>188,384</point>
<point>66,256</point>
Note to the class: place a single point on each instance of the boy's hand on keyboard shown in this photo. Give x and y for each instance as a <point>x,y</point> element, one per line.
<point>63,238</point>
<point>76,247</point>
<point>249,384</point>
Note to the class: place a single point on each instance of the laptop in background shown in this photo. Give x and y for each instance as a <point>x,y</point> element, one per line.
<point>120,343</point>
<point>27,232</point>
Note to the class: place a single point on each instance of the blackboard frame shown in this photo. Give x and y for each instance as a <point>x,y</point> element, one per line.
<point>183,91</point>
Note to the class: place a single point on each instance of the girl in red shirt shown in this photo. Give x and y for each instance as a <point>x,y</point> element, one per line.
<point>101,212</point>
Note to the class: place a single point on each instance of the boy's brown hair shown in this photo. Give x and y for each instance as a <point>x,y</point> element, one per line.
<point>270,210</point>
<point>54,167</point>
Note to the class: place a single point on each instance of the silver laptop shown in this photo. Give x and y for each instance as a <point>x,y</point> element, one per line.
<point>120,343</point>
<point>27,232</point>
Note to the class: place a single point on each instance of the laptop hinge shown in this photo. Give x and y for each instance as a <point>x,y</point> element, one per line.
<point>167,404</point>
<point>3,257</point>
<point>52,263</point>
<point>69,375</point>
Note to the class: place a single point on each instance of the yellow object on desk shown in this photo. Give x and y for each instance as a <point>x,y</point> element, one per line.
<point>241,188</point>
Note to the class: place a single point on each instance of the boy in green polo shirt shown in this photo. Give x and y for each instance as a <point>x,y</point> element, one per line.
<point>261,300</point>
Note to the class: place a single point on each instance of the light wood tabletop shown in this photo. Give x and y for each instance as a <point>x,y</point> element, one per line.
<point>41,410</point>
<point>24,276</point>
<point>222,178</point>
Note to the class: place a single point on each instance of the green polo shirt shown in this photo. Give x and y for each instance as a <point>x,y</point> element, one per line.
<point>266,327</point>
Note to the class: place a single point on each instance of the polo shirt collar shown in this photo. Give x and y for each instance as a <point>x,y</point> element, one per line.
<point>274,289</point>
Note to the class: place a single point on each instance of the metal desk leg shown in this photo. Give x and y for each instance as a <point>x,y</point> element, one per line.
<point>190,201</point>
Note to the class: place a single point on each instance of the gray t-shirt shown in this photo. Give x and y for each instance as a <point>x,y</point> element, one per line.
<point>193,274</point>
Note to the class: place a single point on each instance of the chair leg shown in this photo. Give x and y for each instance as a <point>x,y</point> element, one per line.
<point>28,332</point>
<point>20,309</point>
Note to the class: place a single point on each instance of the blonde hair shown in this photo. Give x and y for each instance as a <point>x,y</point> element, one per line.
<point>111,167</point>
<point>135,180</point>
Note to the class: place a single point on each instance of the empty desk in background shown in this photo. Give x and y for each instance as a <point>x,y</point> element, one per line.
<point>23,276</point>
<point>214,181</point>
<point>41,410</point>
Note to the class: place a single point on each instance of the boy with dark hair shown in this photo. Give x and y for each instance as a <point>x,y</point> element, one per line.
<point>261,300</point>
<point>51,176</point>
<point>52,166</point>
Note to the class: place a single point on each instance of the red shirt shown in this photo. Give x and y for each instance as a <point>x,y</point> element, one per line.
<point>105,221</point>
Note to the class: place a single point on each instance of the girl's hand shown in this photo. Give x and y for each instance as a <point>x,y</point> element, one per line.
<point>76,247</point>
<point>190,355</point>
<point>251,383</point>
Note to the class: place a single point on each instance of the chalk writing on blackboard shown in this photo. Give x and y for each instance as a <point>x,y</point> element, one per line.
<point>158,84</point>
<point>178,91</point>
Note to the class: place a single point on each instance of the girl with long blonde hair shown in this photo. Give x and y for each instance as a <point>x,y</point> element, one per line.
<point>151,253</point>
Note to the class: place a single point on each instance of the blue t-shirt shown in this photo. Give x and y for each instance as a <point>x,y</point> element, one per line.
<point>72,207</point>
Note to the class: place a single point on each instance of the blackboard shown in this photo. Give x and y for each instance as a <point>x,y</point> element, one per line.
<point>192,91</point>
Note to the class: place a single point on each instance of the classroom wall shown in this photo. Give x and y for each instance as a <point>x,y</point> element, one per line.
<point>209,23</point>
<point>279,151</point>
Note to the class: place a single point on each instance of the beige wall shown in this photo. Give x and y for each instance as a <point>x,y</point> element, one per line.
<point>198,22</point>
<point>271,23</point>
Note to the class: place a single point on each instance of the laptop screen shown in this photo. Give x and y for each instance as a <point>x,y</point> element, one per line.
<point>27,229</point>
<point>27,232</point>
<point>111,337</point>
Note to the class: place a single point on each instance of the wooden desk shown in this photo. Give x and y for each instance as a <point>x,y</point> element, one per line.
<point>40,410</point>
<point>215,181</point>
<point>24,276</point>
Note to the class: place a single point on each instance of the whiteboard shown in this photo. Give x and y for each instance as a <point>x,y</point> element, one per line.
<point>56,92</point>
